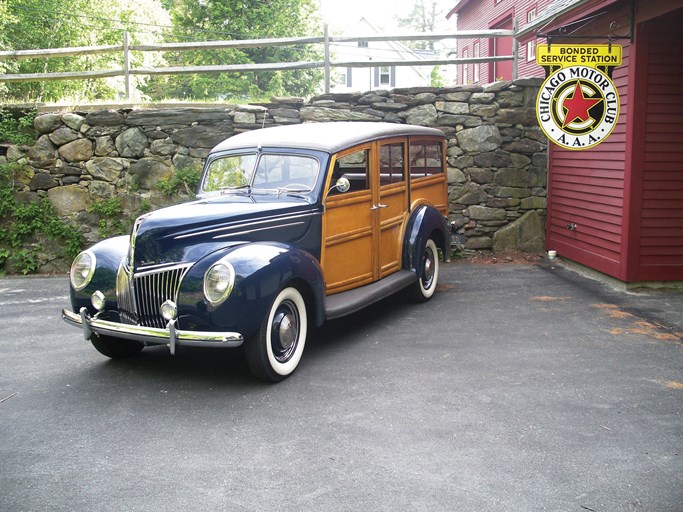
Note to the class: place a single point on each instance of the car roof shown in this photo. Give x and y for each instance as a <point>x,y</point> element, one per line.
<point>329,137</point>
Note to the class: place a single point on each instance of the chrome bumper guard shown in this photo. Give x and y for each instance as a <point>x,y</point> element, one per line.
<point>150,335</point>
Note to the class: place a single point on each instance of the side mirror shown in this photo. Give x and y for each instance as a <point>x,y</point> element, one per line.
<point>342,185</point>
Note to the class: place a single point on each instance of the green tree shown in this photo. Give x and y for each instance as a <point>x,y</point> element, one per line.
<point>207,20</point>
<point>424,17</point>
<point>35,24</point>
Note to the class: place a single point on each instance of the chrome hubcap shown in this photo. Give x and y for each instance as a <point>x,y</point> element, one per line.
<point>428,269</point>
<point>285,331</point>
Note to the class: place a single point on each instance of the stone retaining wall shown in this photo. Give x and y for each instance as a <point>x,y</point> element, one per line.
<point>497,155</point>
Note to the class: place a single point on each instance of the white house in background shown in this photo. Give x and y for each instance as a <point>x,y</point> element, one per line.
<point>376,77</point>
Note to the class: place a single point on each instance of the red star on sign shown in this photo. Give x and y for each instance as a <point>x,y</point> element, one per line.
<point>577,106</point>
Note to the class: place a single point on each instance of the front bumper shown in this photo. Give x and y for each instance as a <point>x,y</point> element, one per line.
<point>150,335</point>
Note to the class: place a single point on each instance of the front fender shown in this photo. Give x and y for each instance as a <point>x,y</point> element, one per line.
<point>426,222</point>
<point>262,269</point>
<point>108,254</point>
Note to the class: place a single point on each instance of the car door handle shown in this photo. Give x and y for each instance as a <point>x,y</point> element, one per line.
<point>378,206</point>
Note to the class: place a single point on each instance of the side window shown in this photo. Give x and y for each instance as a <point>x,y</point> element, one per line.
<point>425,159</point>
<point>353,167</point>
<point>391,164</point>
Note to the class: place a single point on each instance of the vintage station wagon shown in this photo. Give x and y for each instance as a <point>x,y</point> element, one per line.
<point>292,226</point>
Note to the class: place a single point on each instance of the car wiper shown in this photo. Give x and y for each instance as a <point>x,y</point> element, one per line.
<point>244,189</point>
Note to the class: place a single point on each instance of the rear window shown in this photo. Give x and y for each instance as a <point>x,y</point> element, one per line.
<point>426,158</point>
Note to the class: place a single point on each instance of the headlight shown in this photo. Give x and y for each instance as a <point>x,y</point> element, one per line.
<point>218,282</point>
<point>82,270</point>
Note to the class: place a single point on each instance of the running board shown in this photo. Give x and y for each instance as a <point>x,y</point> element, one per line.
<point>345,303</point>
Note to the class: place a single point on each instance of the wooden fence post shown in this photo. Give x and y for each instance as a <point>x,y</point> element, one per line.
<point>326,36</point>
<point>126,62</point>
<point>515,51</point>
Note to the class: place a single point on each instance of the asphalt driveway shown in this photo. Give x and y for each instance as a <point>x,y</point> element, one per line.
<point>517,388</point>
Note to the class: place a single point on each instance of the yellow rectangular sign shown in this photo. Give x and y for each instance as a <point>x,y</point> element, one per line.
<point>564,55</point>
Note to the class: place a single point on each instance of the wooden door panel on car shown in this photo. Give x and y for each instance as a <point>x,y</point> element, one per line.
<point>349,255</point>
<point>392,204</point>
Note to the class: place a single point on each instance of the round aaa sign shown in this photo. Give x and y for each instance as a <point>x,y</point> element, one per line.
<point>577,107</point>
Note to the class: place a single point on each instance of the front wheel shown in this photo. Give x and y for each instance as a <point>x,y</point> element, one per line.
<point>428,271</point>
<point>275,351</point>
<point>114,347</point>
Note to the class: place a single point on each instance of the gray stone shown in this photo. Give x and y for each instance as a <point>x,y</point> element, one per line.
<point>101,190</point>
<point>538,176</point>
<point>479,139</point>
<point>503,202</point>
<point>452,107</point>
<point>455,96</point>
<point>104,145</point>
<point>147,172</point>
<point>43,153</point>
<point>423,115</point>
<point>68,200</point>
<point>162,147</point>
<point>519,161</point>
<point>47,123</point>
<point>15,153</point>
<point>203,136</point>
<point>186,162</point>
<point>533,203</point>
<point>540,160</point>
<point>200,153</point>
<point>511,192</point>
<point>456,176</point>
<point>483,110</point>
<point>42,181</point>
<point>132,143</point>
<point>484,213</point>
<point>79,150</point>
<point>482,97</point>
<point>105,118</point>
<point>284,113</point>
<point>527,146</point>
<point>244,118</point>
<point>510,98</point>
<point>524,234</point>
<point>497,86</point>
<point>458,120</point>
<point>176,116</point>
<point>478,243</point>
<point>319,114</point>
<point>73,120</point>
<point>480,175</point>
<point>521,115</point>
<point>511,177</point>
<point>469,193</point>
<point>105,168</point>
<point>63,135</point>
<point>493,159</point>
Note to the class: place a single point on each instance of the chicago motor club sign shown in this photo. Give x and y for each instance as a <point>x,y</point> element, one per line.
<point>578,104</point>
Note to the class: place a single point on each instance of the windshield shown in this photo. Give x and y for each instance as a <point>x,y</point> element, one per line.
<point>267,171</point>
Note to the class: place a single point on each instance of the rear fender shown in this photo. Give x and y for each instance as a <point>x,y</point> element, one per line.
<point>426,222</point>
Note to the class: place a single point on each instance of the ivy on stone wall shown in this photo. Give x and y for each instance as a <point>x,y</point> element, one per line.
<point>30,232</point>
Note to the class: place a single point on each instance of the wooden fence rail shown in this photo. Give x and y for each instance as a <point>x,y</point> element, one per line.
<point>326,64</point>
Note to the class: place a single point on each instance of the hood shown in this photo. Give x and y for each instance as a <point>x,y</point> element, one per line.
<point>188,231</point>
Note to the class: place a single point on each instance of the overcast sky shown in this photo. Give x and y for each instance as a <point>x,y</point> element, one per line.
<point>340,14</point>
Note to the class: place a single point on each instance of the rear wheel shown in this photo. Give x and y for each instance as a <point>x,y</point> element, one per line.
<point>114,347</point>
<point>275,351</point>
<point>428,270</point>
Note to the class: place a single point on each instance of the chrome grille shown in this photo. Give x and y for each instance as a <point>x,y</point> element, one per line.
<point>125,298</point>
<point>140,299</point>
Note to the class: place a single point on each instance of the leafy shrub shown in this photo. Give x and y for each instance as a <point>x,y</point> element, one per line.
<point>23,224</point>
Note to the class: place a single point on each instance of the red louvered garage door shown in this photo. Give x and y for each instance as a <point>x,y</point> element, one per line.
<point>657,249</point>
<point>586,194</point>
